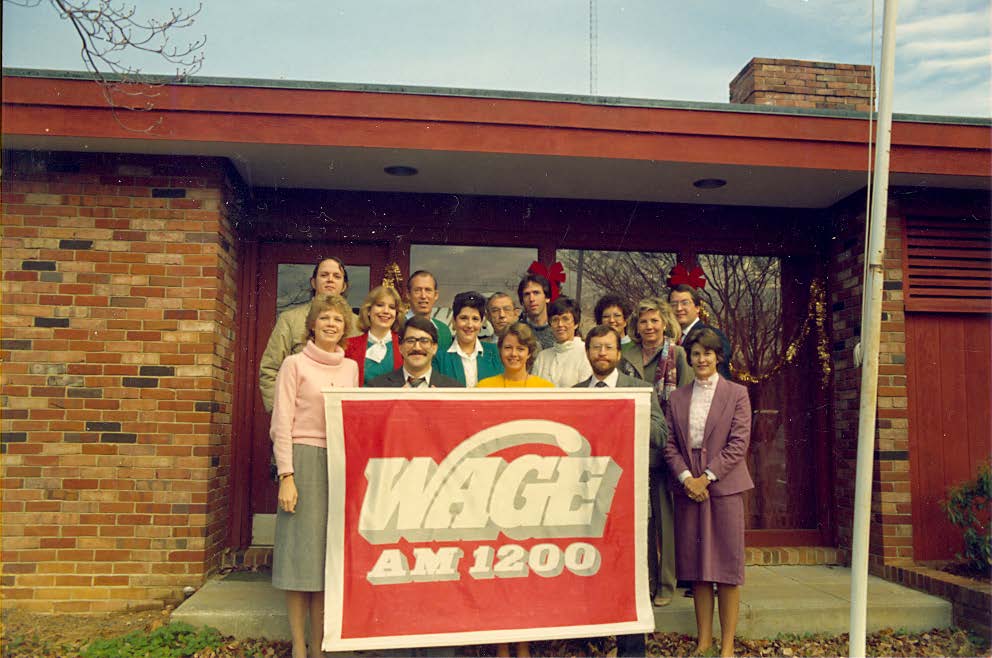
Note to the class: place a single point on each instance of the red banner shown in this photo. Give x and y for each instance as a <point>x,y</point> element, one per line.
<point>471,517</point>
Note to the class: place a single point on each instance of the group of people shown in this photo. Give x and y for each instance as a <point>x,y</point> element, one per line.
<point>700,420</point>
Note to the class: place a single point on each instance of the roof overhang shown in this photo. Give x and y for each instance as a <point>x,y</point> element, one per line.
<point>464,142</point>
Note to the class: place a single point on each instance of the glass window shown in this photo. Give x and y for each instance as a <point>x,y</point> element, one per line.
<point>744,297</point>
<point>294,284</point>
<point>633,275</point>
<point>461,268</point>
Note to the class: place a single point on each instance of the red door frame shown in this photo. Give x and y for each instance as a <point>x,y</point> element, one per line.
<point>252,489</point>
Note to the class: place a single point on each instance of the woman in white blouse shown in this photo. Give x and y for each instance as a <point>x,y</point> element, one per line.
<point>564,364</point>
<point>709,430</point>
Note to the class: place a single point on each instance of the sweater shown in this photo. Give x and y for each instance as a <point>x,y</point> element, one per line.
<point>298,405</point>
<point>499,381</point>
<point>564,364</point>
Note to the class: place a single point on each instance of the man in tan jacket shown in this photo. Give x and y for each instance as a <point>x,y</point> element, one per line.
<point>289,336</point>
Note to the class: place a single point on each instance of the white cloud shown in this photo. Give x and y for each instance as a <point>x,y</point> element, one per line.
<point>955,65</point>
<point>962,22</point>
<point>947,46</point>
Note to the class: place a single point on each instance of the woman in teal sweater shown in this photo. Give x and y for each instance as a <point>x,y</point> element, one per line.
<point>468,359</point>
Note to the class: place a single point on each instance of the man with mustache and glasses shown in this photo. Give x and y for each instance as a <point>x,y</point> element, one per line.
<point>418,345</point>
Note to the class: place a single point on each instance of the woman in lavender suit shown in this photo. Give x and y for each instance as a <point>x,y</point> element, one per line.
<point>709,430</point>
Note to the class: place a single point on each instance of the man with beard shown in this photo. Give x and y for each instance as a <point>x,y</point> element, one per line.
<point>418,345</point>
<point>603,352</point>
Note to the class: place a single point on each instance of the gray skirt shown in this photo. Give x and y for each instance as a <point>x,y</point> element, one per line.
<point>301,537</point>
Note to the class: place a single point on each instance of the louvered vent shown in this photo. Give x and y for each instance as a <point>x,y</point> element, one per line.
<point>948,264</point>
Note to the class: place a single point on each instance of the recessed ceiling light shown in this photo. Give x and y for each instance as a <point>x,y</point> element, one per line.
<point>401,170</point>
<point>709,183</point>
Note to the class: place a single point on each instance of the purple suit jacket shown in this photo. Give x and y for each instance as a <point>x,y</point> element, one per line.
<point>725,440</point>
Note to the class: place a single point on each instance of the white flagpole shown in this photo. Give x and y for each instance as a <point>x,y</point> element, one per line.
<point>871,323</point>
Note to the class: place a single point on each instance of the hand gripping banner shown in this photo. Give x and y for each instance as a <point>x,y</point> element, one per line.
<point>460,516</point>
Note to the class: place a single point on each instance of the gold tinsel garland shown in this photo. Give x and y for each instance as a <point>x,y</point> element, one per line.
<point>816,315</point>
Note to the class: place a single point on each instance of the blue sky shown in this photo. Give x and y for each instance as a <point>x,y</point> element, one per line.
<point>646,48</point>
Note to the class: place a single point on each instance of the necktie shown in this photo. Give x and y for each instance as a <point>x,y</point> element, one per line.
<point>601,384</point>
<point>415,382</point>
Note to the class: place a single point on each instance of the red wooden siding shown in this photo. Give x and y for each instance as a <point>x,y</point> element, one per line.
<point>948,380</point>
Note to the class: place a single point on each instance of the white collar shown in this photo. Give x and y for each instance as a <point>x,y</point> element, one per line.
<point>426,375</point>
<point>567,345</point>
<point>611,379</point>
<point>458,350</point>
<point>709,382</point>
<point>685,332</point>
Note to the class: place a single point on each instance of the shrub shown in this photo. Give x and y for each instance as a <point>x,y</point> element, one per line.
<point>170,641</point>
<point>967,507</point>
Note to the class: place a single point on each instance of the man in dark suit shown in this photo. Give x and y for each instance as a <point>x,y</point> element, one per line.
<point>603,352</point>
<point>418,345</point>
<point>686,303</point>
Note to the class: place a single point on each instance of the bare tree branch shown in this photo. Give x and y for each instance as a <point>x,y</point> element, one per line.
<point>111,33</point>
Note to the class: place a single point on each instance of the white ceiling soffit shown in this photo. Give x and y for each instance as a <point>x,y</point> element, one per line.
<point>452,172</point>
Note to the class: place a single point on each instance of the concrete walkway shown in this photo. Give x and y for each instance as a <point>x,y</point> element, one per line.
<point>775,600</point>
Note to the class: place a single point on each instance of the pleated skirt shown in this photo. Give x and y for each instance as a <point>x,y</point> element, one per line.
<point>709,536</point>
<point>301,537</point>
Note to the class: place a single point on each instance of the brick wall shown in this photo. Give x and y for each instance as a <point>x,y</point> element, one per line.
<point>117,348</point>
<point>891,523</point>
<point>798,83</point>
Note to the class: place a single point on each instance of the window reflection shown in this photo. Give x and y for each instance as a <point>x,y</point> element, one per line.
<point>633,275</point>
<point>293,284</point>
<point>745,299</point>
<point>462,268</point>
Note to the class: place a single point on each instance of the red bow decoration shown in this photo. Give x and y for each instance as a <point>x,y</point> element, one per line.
<point>680,274</point>
<point>555,274</point>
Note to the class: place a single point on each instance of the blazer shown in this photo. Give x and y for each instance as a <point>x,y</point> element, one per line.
<point>396,379</point>
<point>450,363</point>
<point>725,439</point>
<point>632,363</point>
<point>659,428</point>
<point>355,350</point>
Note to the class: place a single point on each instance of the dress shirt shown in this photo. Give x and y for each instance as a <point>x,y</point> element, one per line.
<point>424,384</point>
<point>610,380</point>
<point>470,363</point>
<point>699,408</point>
<point>685,333</point>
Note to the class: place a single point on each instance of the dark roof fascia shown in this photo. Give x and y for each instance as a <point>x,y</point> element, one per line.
<point>606,101</point>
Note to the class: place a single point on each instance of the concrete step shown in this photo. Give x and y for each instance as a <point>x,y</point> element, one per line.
<point>774,600</point>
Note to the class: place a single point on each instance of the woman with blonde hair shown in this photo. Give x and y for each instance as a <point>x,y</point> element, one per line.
<point>377,349</point>
<point>299,445</point>
<point>654,357</point>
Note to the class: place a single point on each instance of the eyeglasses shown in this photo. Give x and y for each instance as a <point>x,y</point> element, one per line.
<point>503,310</point>
<point>561,319</point>
<point>683,303</point>
<point>424,341</point>
<point>605,347</point>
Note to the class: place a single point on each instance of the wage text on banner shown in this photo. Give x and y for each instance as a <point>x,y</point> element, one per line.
<point>463,517</point>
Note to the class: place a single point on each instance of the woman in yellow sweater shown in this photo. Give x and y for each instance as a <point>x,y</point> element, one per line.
<point>517,350</point>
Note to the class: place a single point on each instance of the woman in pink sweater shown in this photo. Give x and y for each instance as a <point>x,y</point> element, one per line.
<point>299,442</point>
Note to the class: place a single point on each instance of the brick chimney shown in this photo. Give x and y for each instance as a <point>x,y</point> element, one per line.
<point>797,83</point>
